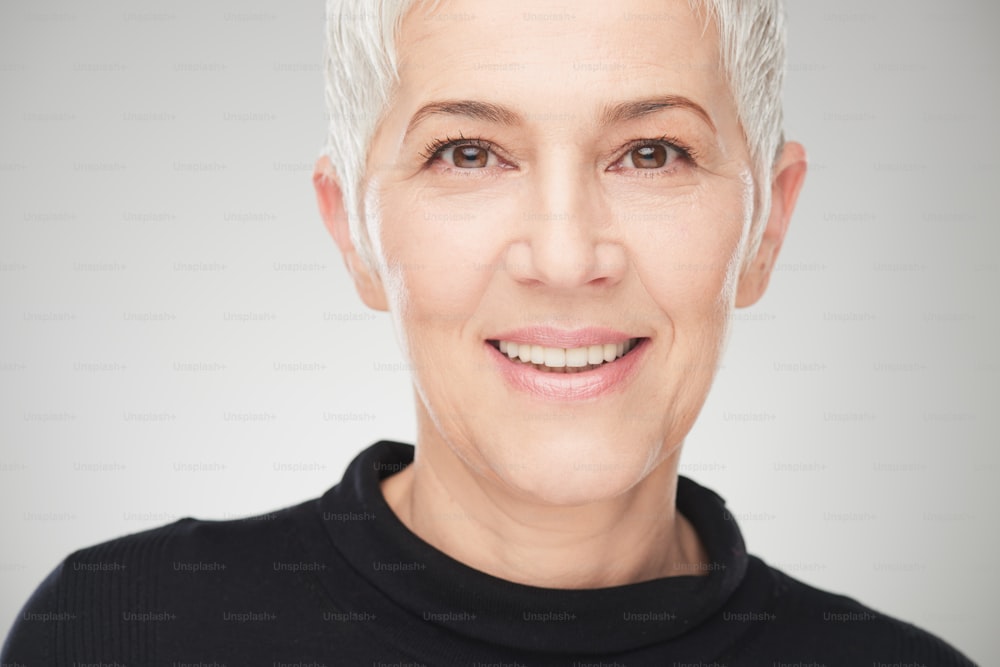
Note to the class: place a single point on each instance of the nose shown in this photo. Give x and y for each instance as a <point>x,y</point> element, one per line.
<point>568,237</point>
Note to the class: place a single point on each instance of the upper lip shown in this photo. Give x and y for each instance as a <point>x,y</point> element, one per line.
<point>568,338</point>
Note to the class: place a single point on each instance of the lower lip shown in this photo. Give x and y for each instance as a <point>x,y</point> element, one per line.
<point>600,381</point>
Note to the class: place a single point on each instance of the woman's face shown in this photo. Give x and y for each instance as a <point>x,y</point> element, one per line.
<point>563,177</point>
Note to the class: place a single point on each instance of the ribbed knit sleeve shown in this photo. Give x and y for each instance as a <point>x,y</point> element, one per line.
<point>807,626</point>
<point>32,640</point>
<point>100,605</point>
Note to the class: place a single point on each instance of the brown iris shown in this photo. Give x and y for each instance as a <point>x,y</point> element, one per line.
<point>651,156</point>
<point>468,155</point>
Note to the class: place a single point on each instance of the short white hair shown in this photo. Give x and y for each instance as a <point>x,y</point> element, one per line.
<point>362,69</point>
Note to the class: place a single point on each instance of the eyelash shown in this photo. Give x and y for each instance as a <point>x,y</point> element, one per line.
<point>433,150</point>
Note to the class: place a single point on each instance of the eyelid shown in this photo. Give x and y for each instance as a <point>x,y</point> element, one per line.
<point>685,152</point>
<point>432,151</point>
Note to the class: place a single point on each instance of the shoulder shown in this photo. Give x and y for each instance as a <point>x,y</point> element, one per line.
<point>143,578</point>
<point>833,629</point>
<point>189,545</point>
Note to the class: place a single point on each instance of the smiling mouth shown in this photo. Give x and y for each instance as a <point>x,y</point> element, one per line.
<point>565,360</point>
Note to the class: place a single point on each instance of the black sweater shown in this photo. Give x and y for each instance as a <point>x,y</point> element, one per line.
<point>340,581</point>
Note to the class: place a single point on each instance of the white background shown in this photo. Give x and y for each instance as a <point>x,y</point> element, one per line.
<point>163,269</point>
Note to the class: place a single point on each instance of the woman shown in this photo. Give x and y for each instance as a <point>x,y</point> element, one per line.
<point>560,209</point>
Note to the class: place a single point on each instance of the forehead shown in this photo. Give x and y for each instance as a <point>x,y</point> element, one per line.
<point>578,54</point>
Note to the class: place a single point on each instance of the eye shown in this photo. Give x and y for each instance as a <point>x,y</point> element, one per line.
<point>468,156</point>
<point>462,153</point>
<point>651,155</point>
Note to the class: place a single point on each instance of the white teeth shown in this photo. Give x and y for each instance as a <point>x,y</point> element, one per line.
<point>555,357</point>
<point>577,357</point>
<point>561,359</point>
<point>595,354</point>
<point>537,354</point>
<point>610,352</point>
<point>525,352</point>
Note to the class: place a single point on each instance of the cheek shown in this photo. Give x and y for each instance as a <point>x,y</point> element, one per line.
<point>440,254</point>
<point>442,249</point>
<point>686,248</point>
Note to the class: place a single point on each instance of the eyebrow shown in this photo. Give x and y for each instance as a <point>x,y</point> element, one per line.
<point>501,115</point>
<point>486,111</point>
<point>630,110</point>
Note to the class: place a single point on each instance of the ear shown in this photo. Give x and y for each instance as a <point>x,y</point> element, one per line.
<point>789,173</point>
<point>331,207</point>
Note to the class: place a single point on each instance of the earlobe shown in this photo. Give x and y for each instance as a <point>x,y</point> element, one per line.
<point>330,199</point>
<point>789,174</point>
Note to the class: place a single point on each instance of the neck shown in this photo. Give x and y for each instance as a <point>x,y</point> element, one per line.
<point>633,537</point>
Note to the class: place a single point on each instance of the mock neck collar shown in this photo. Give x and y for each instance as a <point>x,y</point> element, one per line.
<point>436,588</point>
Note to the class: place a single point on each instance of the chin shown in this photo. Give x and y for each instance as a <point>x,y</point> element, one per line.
<point>567,470</point>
